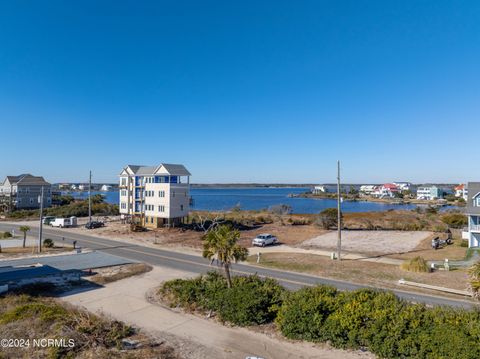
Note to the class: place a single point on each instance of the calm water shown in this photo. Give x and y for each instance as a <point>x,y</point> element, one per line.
<point>261,198</point>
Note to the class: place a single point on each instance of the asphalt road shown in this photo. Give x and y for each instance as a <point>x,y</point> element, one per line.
<point>196,264</point>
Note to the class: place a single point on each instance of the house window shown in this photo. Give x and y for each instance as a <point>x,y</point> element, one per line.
<point>477,202</point>
<point>181,207</point>
<point>161,208</point>
<point>31,200</point>
<point>161,193</point>
<point>173,193</point>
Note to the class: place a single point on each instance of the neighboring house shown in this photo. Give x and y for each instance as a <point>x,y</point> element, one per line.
<point>23,192</point>
<point>83,187</point>
<point>106,188</point>
<point>155,196</point>
<point>429,193</point>
<point>461,191</point>
<point>403,186</point>
<point>368,189</point>
<point>387,190</point>
<point>473,212</point>
<point>324,188</point>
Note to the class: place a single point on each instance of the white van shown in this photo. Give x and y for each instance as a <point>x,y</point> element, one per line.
<point>64,222</point>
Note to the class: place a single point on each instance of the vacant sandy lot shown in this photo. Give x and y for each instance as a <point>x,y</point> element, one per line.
<point>378,242</point>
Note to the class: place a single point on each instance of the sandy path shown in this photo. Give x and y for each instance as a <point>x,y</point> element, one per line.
<point>193,337</point>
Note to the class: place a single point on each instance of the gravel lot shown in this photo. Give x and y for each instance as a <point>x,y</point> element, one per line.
<point>378,242</point>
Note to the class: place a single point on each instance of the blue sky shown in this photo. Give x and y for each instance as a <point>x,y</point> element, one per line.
<point>242,91</point>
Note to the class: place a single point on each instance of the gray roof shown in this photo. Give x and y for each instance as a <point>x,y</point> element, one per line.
<point>473,191</point>
<point>178,170</point>
<point>15,274</point>
<point>173,169</point>
<point>27,180</point>
<point>79,261</point>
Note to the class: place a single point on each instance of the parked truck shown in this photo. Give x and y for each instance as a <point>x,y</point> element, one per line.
<point>64,222</point>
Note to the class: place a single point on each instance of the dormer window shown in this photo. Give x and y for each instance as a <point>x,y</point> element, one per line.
<point>476,202</point>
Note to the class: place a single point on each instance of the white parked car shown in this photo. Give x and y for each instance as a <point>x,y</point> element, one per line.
<point>263,240</point>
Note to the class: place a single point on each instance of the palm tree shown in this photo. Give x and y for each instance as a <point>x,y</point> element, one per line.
<point>24,229</point>
<point>221,243</point>
<point>474,284</point>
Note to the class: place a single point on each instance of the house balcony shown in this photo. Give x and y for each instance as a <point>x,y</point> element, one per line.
<point>475,228</point>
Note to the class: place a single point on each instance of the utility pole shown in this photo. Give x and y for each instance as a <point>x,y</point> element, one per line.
<point>90,198</point>
<point>339,215</point>
<point>40,199</point>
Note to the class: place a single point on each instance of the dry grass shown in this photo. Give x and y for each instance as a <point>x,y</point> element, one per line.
<point>94,336</point>
<point>369,273</point>
<point>395,220</point>
<point>417,264</point>
<point>33,250</point>
<point>453,252</point>
<point>112,274</point>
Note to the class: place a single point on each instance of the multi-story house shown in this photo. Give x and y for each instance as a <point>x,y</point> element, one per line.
<point>23,192</point>
<point>461,191</point>
<point>429,193</point>
<point>155,196</point>
<point>368,189</point>
<point>387,190</point>
<point>403,186</point>
<point>473,212</point>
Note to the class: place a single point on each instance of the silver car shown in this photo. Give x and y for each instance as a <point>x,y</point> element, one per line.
<point>263,240</point>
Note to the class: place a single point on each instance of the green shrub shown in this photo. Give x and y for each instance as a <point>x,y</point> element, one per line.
<point>375,320</point>
<point>303,313</point>
<point>48,243</point>
<point>328,218</point>
<point>455,220</point>
<point>251,300</point>
<point>417,264</point>
<point>6,235</point>
<point>381,323</point>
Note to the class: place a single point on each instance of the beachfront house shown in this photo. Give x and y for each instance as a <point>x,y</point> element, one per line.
<point>429,193</point>
<point>367,189</point>
<point>155,196</point>
<point>324,188</point>
<point>106,188</point>
<point>473,213</point>
<point>23,192</point>
<point>461,191</point>
<point>387,190</point>
<point>403,186</point>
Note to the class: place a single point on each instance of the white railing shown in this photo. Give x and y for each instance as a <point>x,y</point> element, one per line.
<point>475,227</point>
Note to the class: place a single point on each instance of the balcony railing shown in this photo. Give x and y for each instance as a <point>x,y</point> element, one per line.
<point>475,227</point>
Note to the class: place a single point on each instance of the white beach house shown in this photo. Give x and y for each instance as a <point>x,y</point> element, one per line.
<point>155,196</point>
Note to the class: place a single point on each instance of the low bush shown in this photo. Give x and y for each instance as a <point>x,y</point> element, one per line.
<point>48,243</point>
<point>455,220</point>
<point>417,264</point>
<point>6,235</point>
<point>367,319</point>
<point>381,323</point>
<point>251,300</point>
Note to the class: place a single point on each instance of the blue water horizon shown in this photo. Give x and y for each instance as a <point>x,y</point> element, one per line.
<point>259,198</point>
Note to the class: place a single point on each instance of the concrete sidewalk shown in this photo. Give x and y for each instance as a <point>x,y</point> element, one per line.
<point>326,253</point>
<point>193,336</point>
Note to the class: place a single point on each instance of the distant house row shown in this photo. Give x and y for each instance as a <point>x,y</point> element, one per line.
<point>392,190</point>
<point>84,187</point>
